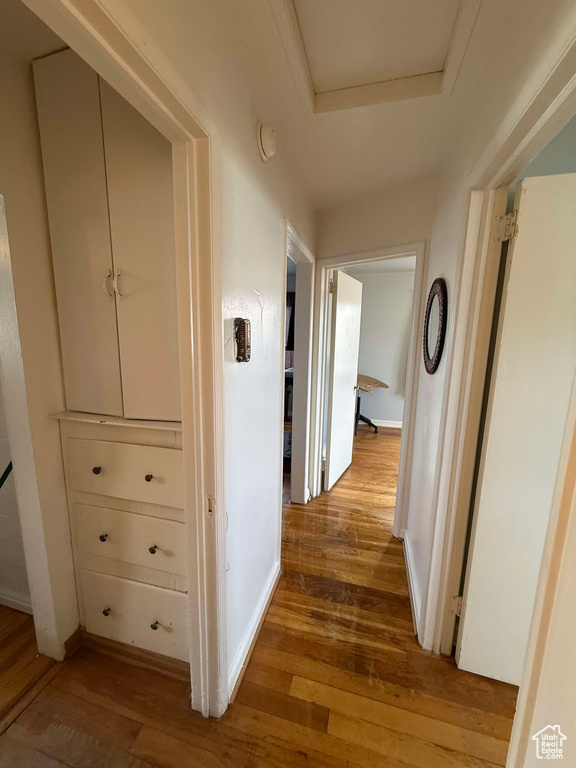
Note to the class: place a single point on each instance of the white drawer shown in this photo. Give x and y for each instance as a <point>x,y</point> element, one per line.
<point>138,539</point>
<point>140,472</point>
<point>127,611</point>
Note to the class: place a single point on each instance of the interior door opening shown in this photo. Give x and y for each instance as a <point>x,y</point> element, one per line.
<point>371,307</point>
<point>530,375</point>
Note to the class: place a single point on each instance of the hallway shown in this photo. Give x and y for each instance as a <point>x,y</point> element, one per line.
<point>336,678</point>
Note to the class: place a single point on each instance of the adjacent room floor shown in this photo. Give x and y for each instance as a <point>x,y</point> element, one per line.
<point>337,677</point>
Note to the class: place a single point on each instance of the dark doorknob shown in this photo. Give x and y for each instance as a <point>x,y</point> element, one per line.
<point>153,549</point>
<point>155,625</point>
<point>148,478</point>
<point>106,611</point>
<point>103,536</point>
<point>96,470</point>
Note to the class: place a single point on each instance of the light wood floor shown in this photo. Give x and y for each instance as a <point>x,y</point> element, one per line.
<point>336,679</point>
<point>21,666</point>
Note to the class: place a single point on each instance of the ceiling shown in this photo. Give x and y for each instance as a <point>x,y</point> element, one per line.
<point>374,40</point>
<point>342,155</point>
<point>401,264</point>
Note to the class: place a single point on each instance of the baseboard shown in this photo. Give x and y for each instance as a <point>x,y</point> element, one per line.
<point>251,635</point>
<point>138,657</point>
<point>16,603</point>
<point>413,592</point>
<point>73,643</point>
<point>389,424</point>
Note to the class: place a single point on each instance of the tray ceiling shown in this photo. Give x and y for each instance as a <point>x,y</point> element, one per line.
<point>350,54</point>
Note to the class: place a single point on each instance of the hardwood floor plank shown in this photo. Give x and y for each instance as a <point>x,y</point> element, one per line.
<point>409,750</point>
<point>312,715</point>
<point>337,678</point>
<point>23,681</point>
<point>118,731</point>
<point>428,729</point>
<point>466,717</point>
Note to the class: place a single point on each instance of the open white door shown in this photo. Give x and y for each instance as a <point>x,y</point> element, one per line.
<point>534,367</point>
<point>342,375</point>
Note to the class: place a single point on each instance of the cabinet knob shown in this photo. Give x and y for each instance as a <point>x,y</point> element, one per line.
<point>103,536</point>
<point>96,470</point>
<point>148,478</point>
<point>153,549</point>
<point>155,625</point>
<point>106,611</point>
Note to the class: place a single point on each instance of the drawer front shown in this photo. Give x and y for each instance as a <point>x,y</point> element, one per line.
<point>132,610</point>
<point>140,472</point>
<point>137,539</point>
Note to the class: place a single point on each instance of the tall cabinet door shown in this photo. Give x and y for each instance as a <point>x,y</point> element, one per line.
<point>140,193</point>
<point>67,94</point>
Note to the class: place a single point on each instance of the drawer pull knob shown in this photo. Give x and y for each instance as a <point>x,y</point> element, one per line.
<point>153,549</point>
<point>103,536</point>
<point>96,470</point>
<point>155,625</point>
<point>106,611</point>
<point>148,478</point>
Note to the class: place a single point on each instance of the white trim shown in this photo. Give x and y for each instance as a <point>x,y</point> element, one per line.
<point>251,629</point>
<point>95,36</point>
<point>415,597</point>
<point>389,424</point>
<point>423,84</point>
<point>301,254</point>
<point>323,267</point>
<point>16,603</point>
<point>467,14</point>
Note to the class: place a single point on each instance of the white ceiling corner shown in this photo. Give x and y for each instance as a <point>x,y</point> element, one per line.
<point>341,58</point>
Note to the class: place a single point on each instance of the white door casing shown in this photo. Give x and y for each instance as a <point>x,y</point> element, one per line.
<point>534,366</point>
<point>342,376</point>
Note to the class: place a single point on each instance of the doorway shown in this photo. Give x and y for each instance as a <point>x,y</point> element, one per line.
<point>296,367</point>
<point>528,385</point>
<point>321,364</point>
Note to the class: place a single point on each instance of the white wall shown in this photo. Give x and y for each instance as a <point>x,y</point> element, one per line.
<point>400,214</point>
<point>14,590</point>
<point>385,340</point>
<point>42,497</point>
<point>195,48</point>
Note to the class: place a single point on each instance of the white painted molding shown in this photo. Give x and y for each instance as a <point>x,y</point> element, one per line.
<point>16,603</point>
<point>415,599</point>
<point>467,14</point>
<point>251,629</point>
<point>389,424</point>
<point>427,84</point>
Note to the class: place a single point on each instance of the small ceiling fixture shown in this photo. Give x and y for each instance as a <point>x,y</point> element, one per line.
<point>266,136</point>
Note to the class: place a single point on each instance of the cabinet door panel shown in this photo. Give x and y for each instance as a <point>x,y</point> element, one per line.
<point>67,94</point>
<point>139,171</point>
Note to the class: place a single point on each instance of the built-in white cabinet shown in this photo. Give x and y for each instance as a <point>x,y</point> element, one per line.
<point>108,176</point>
<point>124,483</point>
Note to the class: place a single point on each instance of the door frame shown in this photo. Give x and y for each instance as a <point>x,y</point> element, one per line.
<point>320,357</point>
<point>524,132</point>
<point>93,34</point>
<point>298,251</point>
